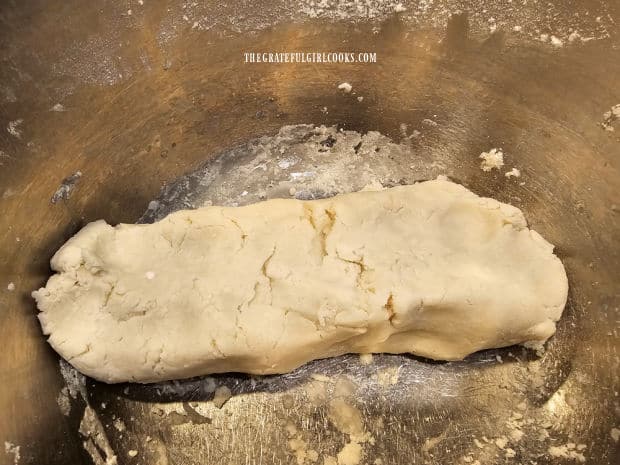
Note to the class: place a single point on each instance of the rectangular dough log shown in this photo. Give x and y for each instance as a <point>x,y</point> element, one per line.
<point>429,269</point>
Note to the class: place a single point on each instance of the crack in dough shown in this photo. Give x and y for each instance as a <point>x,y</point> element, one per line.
<point>430,269</point>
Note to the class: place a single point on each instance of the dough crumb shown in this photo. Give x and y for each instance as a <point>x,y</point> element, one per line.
<point>388,377</point>
<point>321,378</point>
<point>13,128</point>
<point>373,186</point>
<point>291,429</point>
<point>316,391</point>
<point>501,442</point>
<point>494,158</point>
<point>615,434</point>
<point>345,87</point>
<point>348,420</point>
<point>556,42</point>
<point>299,447</point>
<point>365,359</point>
<point>610,116</point>
<point>132,453</point>
<point>566,451</point>
<point>344,387</point>
<point>150,275</point>
<point>221,396</point>
<point>513,173</point>
<point>119,425</point>
<point>10,287</point>
<point>351,454</point>
<point>430,443</point>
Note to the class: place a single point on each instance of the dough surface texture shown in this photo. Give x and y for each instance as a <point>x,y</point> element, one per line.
<point>429,269</point>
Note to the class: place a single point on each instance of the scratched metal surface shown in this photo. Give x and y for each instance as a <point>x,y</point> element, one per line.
<point>147,97</point>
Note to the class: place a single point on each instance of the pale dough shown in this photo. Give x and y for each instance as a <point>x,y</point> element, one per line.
<point>431,269</point>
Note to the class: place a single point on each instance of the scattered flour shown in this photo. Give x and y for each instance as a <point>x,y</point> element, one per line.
<point>430,443</point>
<point>316,391</point>
<point>66,187</point>
<point>63,401</point>
<point>95,440</point>
<point>344,387</point>
<point>429,122</point>
<point>299,447</point>
<point>74,380</point>
<point>13,128</point>
<point>12,449</point>
<point>221,396</point>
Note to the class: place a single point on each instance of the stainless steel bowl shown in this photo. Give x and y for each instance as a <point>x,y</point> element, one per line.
<point>135,100</point>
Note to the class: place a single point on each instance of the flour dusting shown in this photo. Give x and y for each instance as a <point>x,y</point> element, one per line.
<point>12,449</point>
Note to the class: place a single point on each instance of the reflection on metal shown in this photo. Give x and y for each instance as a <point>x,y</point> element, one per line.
<point>147,98</point>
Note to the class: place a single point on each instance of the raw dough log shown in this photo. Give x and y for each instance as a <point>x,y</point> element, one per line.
<point>430,269</point>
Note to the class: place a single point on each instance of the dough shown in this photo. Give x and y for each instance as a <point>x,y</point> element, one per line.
<point>430,269</point>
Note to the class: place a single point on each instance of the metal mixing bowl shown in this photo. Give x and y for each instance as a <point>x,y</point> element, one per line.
<point>135,95</point>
